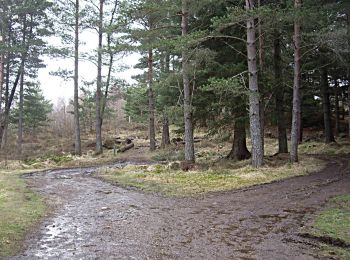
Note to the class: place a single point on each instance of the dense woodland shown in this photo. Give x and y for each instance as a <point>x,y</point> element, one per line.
<point>229,67</point>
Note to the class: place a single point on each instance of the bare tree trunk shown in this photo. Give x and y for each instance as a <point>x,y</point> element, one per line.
<point>99,149</point>
<point>3,124</point>
<point>261,40</point>
<point>110,64</point>
<point>279,90</point>
<point>151,102</point>
<point>296,116</point>
<point>165,132</point>
<point>1,74</point>
<point>77,146</point>
<point>337,110</point>
<point>327,120</point>
<point>254,99</point>
<point>348,34</point>
<point>189,142</point>
<point>20,118</point>
<point>239,149</point>
<point>261,86</point>
<point>343,102</point>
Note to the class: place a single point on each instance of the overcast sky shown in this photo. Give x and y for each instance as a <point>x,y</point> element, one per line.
<point>55,88</point>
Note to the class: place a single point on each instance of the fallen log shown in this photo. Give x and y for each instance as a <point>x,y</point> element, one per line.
<point>125,148</point>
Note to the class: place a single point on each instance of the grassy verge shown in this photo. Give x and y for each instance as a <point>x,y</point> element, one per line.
<point>221,177</point>
<point>334,224</point>
<point>20,210</point>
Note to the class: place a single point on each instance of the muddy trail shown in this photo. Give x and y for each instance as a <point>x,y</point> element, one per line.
<point>96,220</point>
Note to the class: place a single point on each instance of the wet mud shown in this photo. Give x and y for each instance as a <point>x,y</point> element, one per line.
<point>93,219</point>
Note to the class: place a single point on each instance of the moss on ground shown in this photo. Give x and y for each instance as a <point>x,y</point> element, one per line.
<point>222,177</point>
<point>20,210</point>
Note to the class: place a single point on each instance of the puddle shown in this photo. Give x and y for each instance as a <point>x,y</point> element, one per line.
<point>95,220</point>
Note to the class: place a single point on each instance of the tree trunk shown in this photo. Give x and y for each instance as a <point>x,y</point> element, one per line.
<point>337,110</point>
<point>126,148</point>
<point>110,64</point>
<point>99,83</point>
<point>343,102</point>
<point>239,149</point>
<point>20,118</point>
<point>327,120</point>
<point>296,116</point>
<point>189,143</point>
<point>348,34</point>
<point>151,102</point>
<point>165,132</point>
<point>9,95</point>
<point>301,129</point>
<point>261,40</point>
<point>254,99</point>
<point>279,90</point>
<point>77,146</point>
<point>261,86</point>
<point>1,74</point>
<point>3,124</point>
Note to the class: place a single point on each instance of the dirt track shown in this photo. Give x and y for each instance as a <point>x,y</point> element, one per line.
<point>95,220</point>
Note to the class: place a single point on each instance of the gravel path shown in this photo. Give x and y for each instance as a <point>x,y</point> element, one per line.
<point>96,220</point>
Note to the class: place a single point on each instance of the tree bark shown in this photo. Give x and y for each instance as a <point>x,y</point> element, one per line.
<point>126,148</point>
<point>279,96</point>
<point>151,102</point>
<point>261,86</point>
<point>9,95</point>
<point>99,148</point>
<point>110,64</point>
<point>296,116</point>
<point>20,117</point>
<point>337,109</point>
<point>239,149</point>
<point>1,73</point>
<point>348,34</point>
<point>165,132</point>
<point>254,99</point>
<point>189,143</point>
<point>77,147</point>
<point>327,120</point>
<point>4,116</point>
<point>261,40</point>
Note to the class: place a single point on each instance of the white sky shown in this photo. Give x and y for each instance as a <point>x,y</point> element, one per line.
<point>55,88</point>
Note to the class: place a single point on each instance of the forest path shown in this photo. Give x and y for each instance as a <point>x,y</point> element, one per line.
<point>96,220</point>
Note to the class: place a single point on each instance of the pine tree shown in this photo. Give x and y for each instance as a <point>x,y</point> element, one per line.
<point>254,96</point>
<point>35,109</point>
<point>296,121</point>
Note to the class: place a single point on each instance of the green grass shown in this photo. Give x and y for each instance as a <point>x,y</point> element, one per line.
<point>334,222</point>
<point>222,177</point>
<point>340,147</point>
<point>20,210</point>
<point>168,155</point>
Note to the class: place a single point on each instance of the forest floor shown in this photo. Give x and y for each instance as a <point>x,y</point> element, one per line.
<point>93,219</point>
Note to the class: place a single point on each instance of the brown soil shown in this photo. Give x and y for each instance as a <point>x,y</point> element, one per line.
<point>96,220</point>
